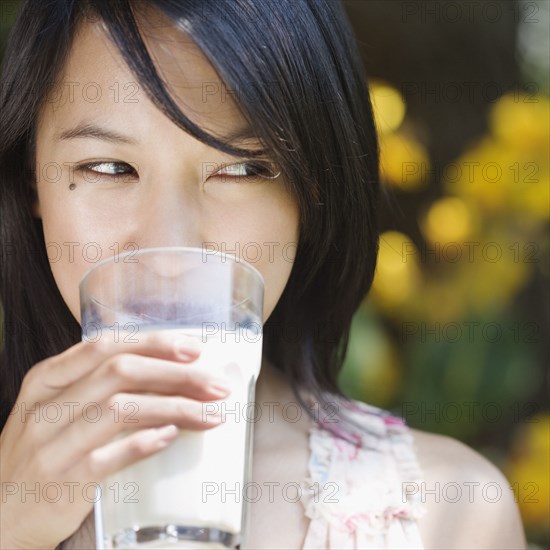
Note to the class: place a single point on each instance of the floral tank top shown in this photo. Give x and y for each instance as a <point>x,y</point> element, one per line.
<point>367,456</point>
<point>361,459</point>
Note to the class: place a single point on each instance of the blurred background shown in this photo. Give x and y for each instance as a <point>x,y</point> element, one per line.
<point>454,334</point>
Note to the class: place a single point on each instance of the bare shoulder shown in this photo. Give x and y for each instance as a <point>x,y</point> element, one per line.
<point>469,502</point>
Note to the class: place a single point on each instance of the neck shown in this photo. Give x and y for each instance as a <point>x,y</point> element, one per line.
<point>272,385</point>
<point>277,404</point>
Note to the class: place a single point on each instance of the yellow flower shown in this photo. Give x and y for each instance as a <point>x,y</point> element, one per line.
<point>448,220</point>
<point>404,163</point>
<point>397,272</point>
<point>388,105</point>
<point>500,178</point>
<point>521,121</point>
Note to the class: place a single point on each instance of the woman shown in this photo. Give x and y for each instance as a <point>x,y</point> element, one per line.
<point>163,122</point>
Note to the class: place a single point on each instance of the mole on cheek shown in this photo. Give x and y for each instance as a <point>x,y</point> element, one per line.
<point>72,186</point>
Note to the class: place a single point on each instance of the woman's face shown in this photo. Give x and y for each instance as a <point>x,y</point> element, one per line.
<point>168,189</point>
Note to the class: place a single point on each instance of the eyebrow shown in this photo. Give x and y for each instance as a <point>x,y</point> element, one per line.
<point>86,130</point>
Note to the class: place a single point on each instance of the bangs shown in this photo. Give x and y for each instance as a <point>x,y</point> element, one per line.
<point>281,79</point>
<point>124,21</point>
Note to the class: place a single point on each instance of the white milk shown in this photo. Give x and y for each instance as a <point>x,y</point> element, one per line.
<point>198,480</point>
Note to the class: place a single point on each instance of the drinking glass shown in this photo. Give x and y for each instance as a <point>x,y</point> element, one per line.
<point>189,495</point>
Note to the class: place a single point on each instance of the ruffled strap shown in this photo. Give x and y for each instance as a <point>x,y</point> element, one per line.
<point>360,459</point>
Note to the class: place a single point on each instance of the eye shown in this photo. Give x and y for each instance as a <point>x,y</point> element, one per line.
<point>257,170</point>
<point>92,171</point>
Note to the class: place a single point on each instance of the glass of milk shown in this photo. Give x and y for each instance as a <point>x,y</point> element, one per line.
<point>189,495</point>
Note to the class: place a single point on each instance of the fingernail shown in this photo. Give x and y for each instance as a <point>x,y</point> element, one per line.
<point>187,348</point>
<point>166,433</point>
<point>219,388</point>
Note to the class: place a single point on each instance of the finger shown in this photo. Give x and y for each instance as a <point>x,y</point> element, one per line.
<point>118,454</point>
<point>127,412</point>
<point>47,378</point>
<point>134,373</point>
<point>92,396</point>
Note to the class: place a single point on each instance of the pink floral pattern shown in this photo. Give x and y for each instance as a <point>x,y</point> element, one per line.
<point>354,495</point>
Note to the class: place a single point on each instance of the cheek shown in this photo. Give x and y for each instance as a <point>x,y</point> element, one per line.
<point>79,235</point>
<point>67,254</point>
<point>75,243</point>
<point>276,275</point>
<point>273,250</point>
<point>262,231</point>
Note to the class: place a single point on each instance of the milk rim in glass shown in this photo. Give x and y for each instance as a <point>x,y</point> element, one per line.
<point>189,495</point>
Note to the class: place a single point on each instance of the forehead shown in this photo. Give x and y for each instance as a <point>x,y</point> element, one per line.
<point>96,80</point>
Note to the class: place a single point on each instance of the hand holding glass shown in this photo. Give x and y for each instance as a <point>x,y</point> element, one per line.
<point>182,497</point>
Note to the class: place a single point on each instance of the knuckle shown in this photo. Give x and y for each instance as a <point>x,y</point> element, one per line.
<point>119,368</point>
<point>95,464</point>
<point>187,343</point>
<point>183,410</point>
<point>156,339</point>
<point>42,467</point>
<point>35,374</point>
<point>180,407</point>
<point>98,348</point>
<point>115,402</point>
<point>138,445</point>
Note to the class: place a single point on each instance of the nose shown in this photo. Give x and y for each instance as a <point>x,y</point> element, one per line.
<point>170,218</point>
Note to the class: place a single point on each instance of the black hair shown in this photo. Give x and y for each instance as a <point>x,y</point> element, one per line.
<point>308,101</point>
